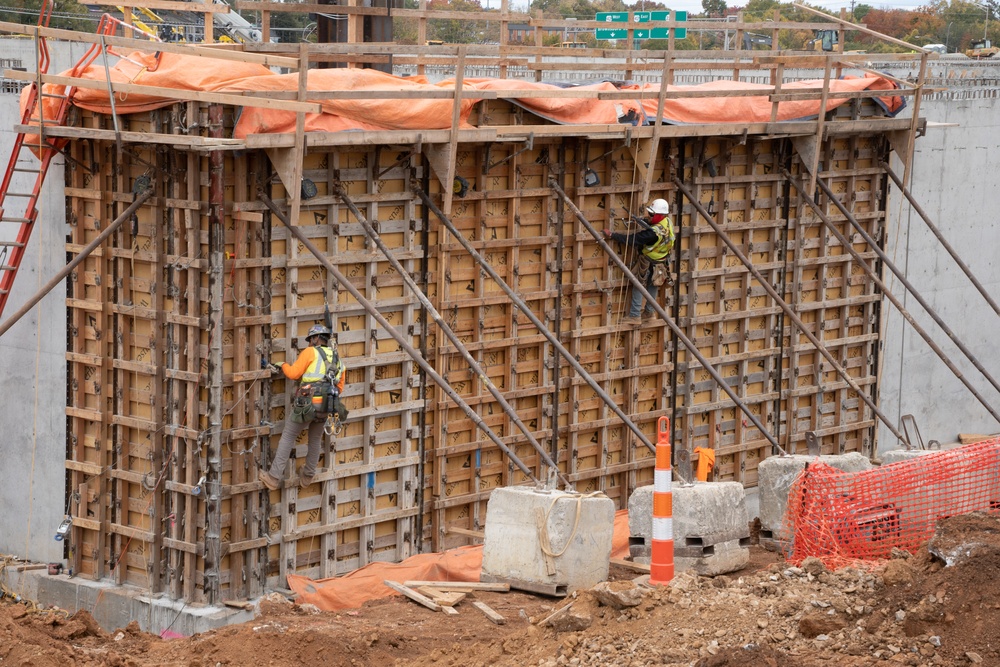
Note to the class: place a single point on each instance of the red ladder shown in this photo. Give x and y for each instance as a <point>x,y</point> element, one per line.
<point>21,160</point>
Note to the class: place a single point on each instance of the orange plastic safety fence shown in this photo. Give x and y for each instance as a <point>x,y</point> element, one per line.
<point>843,518</point>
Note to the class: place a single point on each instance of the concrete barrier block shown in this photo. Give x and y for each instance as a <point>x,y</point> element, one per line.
<point>710,523</point>
<point>897,455</point>
<point>775,476</point>
<point>580,529</point>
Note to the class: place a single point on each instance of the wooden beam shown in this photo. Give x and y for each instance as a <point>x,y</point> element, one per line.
<point>456,115</point>
<point>217,52</point>
<point>494,617</point>
<point>178,140</point>
<point>638,567</point>
<point>234,99</point>
<point>470,585</point>
<point>165,5</point>
<point>413,595</point>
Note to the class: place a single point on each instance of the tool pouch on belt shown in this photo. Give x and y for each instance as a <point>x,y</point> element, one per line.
<point>641,267</point>
<point>660,273</point>
<point>303,409</point>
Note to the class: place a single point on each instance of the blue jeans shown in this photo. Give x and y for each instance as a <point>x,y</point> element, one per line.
<point>636,305</point>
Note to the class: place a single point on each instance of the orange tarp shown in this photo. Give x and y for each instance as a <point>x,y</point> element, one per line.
<point>170,70</point>
<point>461,564</point>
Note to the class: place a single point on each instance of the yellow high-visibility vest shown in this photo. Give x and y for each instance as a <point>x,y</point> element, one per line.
<point>317,369</point>
<point>658,251</point>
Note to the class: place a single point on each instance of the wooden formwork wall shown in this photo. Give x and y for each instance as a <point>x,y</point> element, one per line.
<point>170,412</point>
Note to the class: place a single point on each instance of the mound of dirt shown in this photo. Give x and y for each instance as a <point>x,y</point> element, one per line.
<point>955,609</point>
<point>912,610</point>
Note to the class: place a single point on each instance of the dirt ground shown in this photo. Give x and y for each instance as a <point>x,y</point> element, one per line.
<point>912,610</point>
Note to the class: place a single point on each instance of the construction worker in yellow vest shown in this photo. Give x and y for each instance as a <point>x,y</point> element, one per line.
<point>656,241</point>
<point>320,375</point>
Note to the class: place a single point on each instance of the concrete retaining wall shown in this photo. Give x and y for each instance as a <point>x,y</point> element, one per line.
<point>954,180</point>
<point>32,353</point>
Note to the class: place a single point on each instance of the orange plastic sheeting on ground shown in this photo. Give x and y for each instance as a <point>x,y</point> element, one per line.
<point>757,109</point>
<point>364,584</point>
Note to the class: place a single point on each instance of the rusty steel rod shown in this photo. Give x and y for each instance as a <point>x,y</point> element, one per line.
<point>449,333</point>
<point>84,253</point>
<point>934,230</point>
<point>787,309</point>
<point>398,337</point>
<point>687,342</point>
<point>523,307</point>
<point>908,285</point>
<point>890,296</point>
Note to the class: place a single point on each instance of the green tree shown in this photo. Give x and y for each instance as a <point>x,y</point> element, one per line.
<point>67,14</point>
<point>714,7</point>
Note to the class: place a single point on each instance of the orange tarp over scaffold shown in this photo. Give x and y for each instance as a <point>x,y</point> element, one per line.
<point>461,564</point>
<point>181,72</point>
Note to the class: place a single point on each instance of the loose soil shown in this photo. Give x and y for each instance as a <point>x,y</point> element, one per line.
<point>912,610</point>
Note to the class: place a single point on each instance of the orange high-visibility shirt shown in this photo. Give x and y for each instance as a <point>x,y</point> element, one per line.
<point>302,364</point>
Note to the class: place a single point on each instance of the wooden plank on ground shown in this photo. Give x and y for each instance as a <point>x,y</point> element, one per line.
<point>470,585</point>
<point>489,612</point>
<point>638,567</point>
<point>413,595</point>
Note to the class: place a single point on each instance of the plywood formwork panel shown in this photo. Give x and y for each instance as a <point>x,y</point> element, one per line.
<point>171,410</point>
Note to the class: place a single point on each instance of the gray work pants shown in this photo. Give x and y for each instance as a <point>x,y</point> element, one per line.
<point>288,437</point>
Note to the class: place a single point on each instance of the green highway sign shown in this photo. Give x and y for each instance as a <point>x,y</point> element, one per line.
<point>612,33</point>
<point>664,33</point>
<point>639,33</point>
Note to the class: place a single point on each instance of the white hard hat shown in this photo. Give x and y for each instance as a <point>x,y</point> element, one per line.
<point>658,207</point>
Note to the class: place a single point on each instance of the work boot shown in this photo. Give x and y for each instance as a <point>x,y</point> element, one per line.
<point>304,479</point>
<point>647,315</point>
<point>269,480</point>
<point>631,321</point>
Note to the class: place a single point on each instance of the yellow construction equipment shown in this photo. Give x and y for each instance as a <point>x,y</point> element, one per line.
<point>981,48</point>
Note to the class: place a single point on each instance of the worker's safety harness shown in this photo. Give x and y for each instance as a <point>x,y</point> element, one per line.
<point>318,393</point>
<point>656,256</point>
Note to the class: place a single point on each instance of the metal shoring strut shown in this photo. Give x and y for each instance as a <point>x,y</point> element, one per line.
<point>687,342</point>
<point>588,378</point>
<point>508,408</point>
<point>892,299</point>
<point>934,230</point>
<point>788,309</point>
<point>909,286</point>
<point>398,337</point>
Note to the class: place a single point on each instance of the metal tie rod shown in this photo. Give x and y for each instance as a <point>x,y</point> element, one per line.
<point>523,307</point>
<point>90,247</point>
<point>907,284</point>
<point>787,309</point>
<point>687,342</point>
<point>846,244</point>
<point>477,369</point>
<point>940,238</point>
<point>391,330</point>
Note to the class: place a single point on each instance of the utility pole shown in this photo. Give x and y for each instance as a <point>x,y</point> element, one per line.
<point>852,10</point>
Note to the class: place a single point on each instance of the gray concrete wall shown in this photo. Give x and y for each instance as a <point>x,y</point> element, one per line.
<point>955,180</point>
<point>32,353</point>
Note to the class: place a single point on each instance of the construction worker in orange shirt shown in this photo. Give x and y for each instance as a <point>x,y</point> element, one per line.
<point>319,373</point>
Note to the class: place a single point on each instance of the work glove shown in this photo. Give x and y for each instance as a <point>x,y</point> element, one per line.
<point>607,233</point>
<point>275,368</point>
